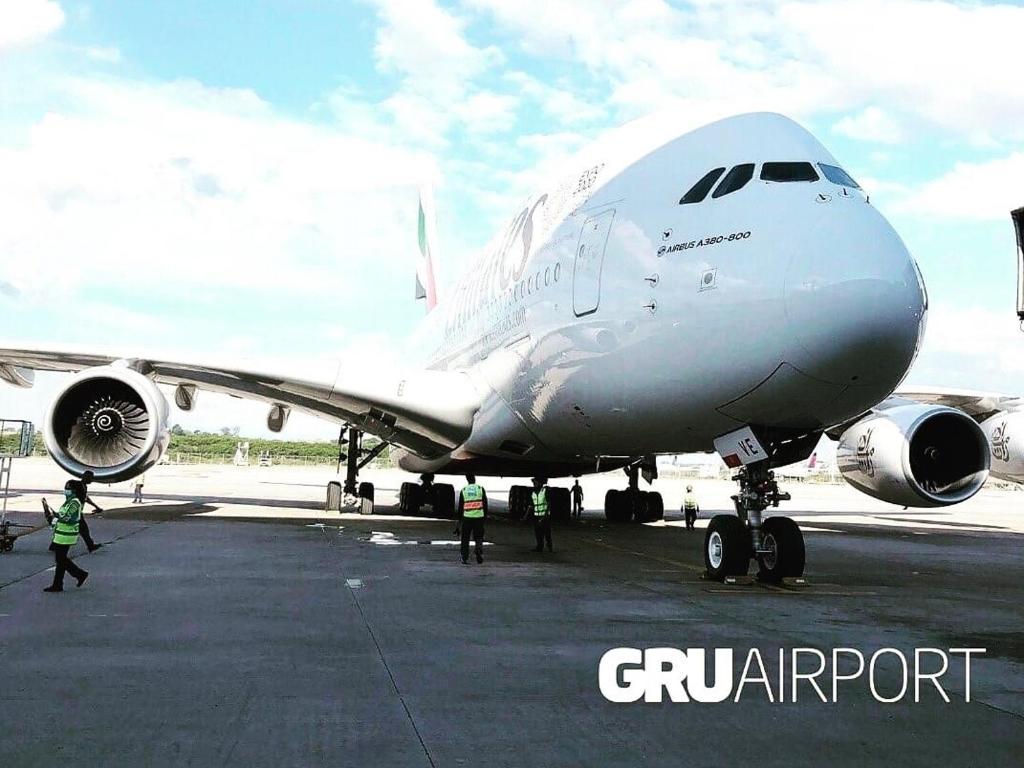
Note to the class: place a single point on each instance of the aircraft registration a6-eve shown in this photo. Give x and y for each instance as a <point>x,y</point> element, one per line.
<point>726,288</point>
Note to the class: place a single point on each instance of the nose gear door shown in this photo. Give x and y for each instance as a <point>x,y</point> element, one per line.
<point>586,276</point>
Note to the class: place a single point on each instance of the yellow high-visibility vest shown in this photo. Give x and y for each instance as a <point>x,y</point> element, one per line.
<point>472,501</point>
<point>540,502</point>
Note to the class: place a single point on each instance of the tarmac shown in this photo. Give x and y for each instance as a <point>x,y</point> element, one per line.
<point>229,621</point>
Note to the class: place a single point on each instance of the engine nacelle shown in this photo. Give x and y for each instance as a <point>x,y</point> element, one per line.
<point>915,455</point>
<point>1005,432</point>
<point>110,420</point>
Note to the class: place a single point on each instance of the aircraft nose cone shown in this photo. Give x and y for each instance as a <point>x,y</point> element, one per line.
<point>855,304</point>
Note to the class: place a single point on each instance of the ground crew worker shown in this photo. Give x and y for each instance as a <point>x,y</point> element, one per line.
<point>65,534</point>
<point>541,518</point>
<point>83,528</point>
<point>139,482</point>
<point>690,507</point>
<point>472,513</point>
<point>577,499</point>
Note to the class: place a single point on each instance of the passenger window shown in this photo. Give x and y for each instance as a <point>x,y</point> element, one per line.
<point>837,175</point>
<point>788,172</point>
<point>700,190</point>
<point>735,179</point>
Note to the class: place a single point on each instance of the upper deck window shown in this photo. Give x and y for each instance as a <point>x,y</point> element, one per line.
<point>788,172</point>
<point>700,190</point>
<point>735,179</point>
<point>837,175</point>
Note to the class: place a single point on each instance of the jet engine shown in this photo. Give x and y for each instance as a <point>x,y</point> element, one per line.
<point>915,455</point>
<point>1006,435</point>
<point>110,420</point>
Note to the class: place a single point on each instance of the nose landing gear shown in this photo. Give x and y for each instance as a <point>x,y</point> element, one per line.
<point>776,543</point>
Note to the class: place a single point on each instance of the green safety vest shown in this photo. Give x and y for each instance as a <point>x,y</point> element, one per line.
<point>540,502</point>
<point>472,501</point>
<point>65,523</point>
<point>690,502</point>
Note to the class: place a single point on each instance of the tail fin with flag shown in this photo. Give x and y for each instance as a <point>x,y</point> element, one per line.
<point>426,285</point>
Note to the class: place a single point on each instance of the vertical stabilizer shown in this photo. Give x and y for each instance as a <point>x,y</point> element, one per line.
<point>426,284</point>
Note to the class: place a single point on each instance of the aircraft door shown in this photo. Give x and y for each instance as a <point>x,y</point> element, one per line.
<point>586,275</point>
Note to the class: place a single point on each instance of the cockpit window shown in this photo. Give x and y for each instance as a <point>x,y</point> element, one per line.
<point>837,175</point>
<point>788,172</point>
<point>735,179</point>
<point>700,190</point>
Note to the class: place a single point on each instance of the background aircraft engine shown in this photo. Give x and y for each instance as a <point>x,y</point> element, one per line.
<point>111,420</point>
<point>915,455</point>
<point>1005,433</point>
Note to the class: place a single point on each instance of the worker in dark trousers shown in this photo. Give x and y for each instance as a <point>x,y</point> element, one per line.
<point>577,499</point>
<point>65,534</point>
<point>690,508</point>
<point>541,518</point>
<point>83,528</point>
<point>472,513</point>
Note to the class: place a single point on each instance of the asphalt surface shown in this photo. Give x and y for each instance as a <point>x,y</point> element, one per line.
<point>339,640</point>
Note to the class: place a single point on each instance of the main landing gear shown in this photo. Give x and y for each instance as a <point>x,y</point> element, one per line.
<point>350,443</point>
<point>440,497</point>
<point>559,504</point>
<point>776,543</point>
<point>632,504</point>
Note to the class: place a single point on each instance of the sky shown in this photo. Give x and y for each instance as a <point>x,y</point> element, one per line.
<point>240,178</point>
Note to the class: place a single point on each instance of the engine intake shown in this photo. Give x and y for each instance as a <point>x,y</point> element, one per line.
<point>915,455</point>
<point>110,420</point>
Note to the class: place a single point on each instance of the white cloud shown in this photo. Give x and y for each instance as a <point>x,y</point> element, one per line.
<point>23,22</point>
<point>425,45</point>
<point>104,54</point>
<point>985,191</point>
<point>871,124</point>
<point>973,348</point>
<point>951,65</point>
<point>136,181</point>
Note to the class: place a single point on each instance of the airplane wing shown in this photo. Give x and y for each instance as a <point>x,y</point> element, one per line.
<point>427,412</point>
<point>978,405</point>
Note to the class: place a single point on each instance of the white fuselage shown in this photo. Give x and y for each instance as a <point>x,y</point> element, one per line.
<point>610,321</point>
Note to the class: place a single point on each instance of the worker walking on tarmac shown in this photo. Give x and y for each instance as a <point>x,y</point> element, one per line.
<point>83,528</point>
<point>690,507</point>
<point>472,513</point>
<point>140,481</point>
<point>541,518</point>
<point>65,533</point>
<point>577,500</point>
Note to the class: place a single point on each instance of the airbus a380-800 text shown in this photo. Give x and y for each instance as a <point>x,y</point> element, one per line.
<point>727,288</point>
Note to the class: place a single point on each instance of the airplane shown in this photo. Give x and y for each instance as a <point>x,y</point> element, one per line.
<point>802,470</point>
<point>727,287</point>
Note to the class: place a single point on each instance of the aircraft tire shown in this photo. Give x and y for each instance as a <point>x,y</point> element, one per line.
<point>334,495</point>
<point>559,505</point>
<point>444,501</point>
<point>617,507</point>
<point>366,491</point>
<point>409,499</point>
<point>655,507</point>
<point>782,536</point>
<point>726,547</point>
<point>518,496</point>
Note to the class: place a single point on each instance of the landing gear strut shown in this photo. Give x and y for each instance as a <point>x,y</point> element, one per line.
<point>633,504</point>
<point>776,543</point>
<point>351,451</point>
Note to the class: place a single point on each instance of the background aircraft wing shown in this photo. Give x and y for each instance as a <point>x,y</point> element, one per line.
<point>427,412</point>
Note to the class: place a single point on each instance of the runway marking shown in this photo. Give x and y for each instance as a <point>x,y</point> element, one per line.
<point>677,563</point>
